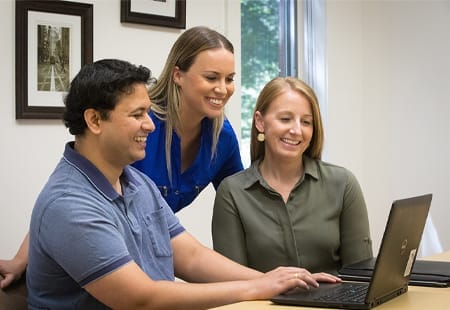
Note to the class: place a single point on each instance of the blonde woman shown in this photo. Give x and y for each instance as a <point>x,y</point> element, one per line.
<point>193,138</point>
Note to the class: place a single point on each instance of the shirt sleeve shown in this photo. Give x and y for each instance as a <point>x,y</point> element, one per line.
<point>356,243</point>
<point>93,236</point>
<point>227,231</point>
<point>228,147</point>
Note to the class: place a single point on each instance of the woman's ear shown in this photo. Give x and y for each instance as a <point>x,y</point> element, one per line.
<point>176,75</point>
<point>259,121</point>
<point>92,119</point>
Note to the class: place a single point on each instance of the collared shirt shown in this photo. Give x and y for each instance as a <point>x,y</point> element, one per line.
<point>205,169</point>
<point>82,229</point>
<point>323,225</point>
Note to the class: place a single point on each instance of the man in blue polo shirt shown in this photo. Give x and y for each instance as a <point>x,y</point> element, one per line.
<point>102,236</point>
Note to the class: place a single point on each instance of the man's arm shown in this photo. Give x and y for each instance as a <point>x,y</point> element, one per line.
<point>130,288</point>
<point>13,269</point>
<point>194,262</point>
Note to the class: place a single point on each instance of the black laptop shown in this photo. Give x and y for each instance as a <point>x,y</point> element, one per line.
<point>424,272</point>
<point>392,268</point>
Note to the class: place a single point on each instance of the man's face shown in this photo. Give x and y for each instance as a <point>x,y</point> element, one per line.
<point>124,134</point>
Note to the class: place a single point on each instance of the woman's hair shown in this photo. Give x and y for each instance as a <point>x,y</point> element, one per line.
<point>269,93</point>
<point>165,95</point>
<point>100,86</point>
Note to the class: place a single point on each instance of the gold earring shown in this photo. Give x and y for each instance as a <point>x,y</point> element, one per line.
<point>261,137</point>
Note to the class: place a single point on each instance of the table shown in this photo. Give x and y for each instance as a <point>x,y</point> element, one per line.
<point>417,298</point>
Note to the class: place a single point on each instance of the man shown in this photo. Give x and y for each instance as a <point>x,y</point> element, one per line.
<point>102,236</point>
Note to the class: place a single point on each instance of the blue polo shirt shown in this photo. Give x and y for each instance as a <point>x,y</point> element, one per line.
<point>82,229</point>
<point>204,170</point>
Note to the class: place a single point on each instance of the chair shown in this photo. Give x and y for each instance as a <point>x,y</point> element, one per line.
<point>14,297</point>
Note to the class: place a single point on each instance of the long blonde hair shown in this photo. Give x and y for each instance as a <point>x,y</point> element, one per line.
<point>165,95</point>
<point>272,90</point>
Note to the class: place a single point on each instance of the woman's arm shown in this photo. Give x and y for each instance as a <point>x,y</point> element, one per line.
<point>227,232</point>
<point>356,243</point>
<point>12,269</point>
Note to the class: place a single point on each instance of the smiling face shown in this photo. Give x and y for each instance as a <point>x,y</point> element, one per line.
<point>207,85</point>
<point>124,133</point>
<point>287,125</point>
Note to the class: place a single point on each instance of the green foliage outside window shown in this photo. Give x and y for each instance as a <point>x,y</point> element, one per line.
<point>259,52</point>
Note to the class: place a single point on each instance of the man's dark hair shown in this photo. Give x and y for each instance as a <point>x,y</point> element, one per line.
<point>100,86</point>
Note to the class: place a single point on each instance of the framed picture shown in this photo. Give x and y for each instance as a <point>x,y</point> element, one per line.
<point>53,41</point>
<point>167,13</point>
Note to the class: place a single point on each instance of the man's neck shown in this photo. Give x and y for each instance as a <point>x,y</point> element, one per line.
<point>92,153</point>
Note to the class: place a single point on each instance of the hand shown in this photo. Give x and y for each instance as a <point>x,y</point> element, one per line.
<point>282,279</point>
<point>326,277</point>
<point>11,270</point>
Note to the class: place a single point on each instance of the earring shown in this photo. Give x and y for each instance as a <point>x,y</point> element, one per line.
<point>261,137</point>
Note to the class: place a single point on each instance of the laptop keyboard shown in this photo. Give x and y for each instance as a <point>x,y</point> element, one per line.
<point>346,293</point>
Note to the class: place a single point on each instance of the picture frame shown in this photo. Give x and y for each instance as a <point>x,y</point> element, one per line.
<point>165,13</point>
<point>54,39</point>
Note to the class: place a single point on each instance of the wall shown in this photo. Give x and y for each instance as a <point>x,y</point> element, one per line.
<point>388,70</point>
<point>388,73</point>
<point>31,148</point>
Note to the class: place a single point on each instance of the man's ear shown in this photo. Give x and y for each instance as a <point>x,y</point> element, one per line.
<point>259,122</point>
<point>92,119</point>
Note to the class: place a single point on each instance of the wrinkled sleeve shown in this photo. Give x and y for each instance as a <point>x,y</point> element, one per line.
<point>227,230</point>
<point>356,243</point>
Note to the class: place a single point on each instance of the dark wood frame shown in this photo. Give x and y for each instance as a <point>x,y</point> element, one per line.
<point>179,21</point>
<point>85,11</point>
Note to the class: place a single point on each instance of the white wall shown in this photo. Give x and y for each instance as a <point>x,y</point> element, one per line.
<point>388,70</point>
<point>31,148</point>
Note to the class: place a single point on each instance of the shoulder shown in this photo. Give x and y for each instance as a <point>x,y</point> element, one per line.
<point>65,182</point>
<point>238,176</point>
<point>227,137</point>
<point>227,129</point>
<point>326,166</point>
<point>141,178</point>
<point>239,180</point>
<point>227,125</point>
<point>328,171</point>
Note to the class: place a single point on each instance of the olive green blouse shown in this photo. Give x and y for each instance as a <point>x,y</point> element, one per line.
<point>323,226</point>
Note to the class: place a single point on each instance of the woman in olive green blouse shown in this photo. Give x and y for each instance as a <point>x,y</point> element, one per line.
<point>289,208</point>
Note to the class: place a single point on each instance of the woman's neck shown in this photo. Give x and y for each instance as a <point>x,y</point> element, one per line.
<point>281,175</point>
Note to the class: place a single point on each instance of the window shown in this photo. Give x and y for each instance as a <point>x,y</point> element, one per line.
<point>270,47</point>
<point>268,50</point>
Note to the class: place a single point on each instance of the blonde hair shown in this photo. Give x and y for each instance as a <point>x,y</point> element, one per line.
<point>165,95</point>
<point>272,90</point>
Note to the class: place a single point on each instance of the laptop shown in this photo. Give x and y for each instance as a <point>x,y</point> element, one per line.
<point>392,269</point>
<point>424,273</point>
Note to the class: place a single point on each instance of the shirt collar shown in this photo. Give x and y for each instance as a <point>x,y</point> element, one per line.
<point>255,176</point>
<point>95,176</point>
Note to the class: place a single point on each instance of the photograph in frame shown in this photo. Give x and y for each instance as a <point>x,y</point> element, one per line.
<point>53,41</point>
<point>165,13</point>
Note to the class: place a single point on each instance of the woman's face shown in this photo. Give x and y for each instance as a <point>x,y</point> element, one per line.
<point>208,84</point>
<point>287,125</point>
